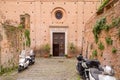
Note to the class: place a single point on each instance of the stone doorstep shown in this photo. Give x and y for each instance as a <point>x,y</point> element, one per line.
<point>58,57</point>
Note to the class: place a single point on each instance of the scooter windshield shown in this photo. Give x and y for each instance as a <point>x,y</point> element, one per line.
<point>22,54</point>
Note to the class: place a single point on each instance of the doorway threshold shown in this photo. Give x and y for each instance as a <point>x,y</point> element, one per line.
<point>58,57</point>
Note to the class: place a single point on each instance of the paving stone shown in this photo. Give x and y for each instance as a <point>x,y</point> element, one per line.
<point>47,69</point>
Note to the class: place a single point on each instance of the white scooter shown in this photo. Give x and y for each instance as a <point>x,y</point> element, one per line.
<point>106,74</point>
<point>23,61</point>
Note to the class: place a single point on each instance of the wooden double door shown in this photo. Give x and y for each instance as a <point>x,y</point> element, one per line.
<point>58,44</point>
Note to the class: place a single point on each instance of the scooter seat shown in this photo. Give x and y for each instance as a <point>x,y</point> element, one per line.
<point>93,63</point>
<point>94,73</point>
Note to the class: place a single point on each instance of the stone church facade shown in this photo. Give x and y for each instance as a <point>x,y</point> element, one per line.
<point>56,22</point>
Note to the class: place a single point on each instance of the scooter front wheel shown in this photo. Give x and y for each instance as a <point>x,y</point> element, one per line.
<point>20,68</point>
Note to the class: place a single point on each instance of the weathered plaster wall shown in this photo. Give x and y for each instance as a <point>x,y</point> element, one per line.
<point>105,56</point>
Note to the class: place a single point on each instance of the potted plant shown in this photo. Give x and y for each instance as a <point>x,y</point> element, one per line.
<point>72,50</point>
<point>46,49</point>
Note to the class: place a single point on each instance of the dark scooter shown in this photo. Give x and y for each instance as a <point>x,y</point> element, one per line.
<point>92,70</point>
<point>31,57</point>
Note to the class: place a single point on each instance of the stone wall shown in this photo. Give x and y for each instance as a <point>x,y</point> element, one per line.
<point>11,43</point>
<point>106,56</point>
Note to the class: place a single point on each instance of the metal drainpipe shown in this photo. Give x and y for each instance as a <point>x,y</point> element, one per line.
<point>87,50</point>
<point>0,45</point>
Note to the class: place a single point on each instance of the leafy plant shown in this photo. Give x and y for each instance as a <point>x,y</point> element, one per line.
<point>109,41</point>
<point>104,3</point>
<point>94,53</point>
<point>98,27</point>
<point>20,26</point>
<point>115,22</point>
<point>7,69</point>
<point>27,35</point>
<point>106,27</point>
<point>72,48</point>
<point>101,46</point>
<point>114,50</point>
<point>46,48</point>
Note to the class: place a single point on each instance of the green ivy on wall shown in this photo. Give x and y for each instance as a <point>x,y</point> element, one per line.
<point>101,46</point>
<point>116,22</point>
<point>27,36</point>
<point>94,53</point>
<point>20,26</point>
<point>114,50</point>
<point>109,41</point>
<point>102,25</point>
<point>98,27</point>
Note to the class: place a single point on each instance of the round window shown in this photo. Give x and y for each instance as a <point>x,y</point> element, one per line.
<point>58,14</point>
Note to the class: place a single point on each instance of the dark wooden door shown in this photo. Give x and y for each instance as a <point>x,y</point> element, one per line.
<point>55,49</point>
<point>58,44</point>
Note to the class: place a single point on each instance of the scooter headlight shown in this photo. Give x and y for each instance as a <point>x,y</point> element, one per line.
<point>21,64</point>
<point>108,70</point>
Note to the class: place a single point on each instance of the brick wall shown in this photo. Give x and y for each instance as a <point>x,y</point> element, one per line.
<point>105,56</point>
<point>42,17</point>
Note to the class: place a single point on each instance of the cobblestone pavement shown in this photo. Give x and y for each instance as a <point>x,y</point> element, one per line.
<point>47,69</point>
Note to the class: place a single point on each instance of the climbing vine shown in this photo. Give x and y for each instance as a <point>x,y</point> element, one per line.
<point>102,25</point>
<point>20,26</point>
<point>27,36</point>
<point>98,27</point>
